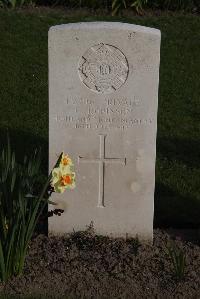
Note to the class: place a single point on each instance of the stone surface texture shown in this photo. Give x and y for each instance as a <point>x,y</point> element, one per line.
<point>103,97</point>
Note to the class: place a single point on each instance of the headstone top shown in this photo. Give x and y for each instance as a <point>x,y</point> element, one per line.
<point>107,26</point>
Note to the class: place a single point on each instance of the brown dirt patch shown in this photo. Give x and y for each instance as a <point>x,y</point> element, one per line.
<point>84,265</point>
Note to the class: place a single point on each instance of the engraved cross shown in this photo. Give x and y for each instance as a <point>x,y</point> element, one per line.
<point>102,160</point>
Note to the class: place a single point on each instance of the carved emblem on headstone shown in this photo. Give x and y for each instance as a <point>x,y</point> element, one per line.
<point>103,68</point>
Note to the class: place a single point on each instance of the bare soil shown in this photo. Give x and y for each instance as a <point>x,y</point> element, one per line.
<point>85,265</point>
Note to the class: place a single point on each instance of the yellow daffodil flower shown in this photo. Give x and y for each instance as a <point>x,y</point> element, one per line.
<point>62,178</point>
<point>66,160</point>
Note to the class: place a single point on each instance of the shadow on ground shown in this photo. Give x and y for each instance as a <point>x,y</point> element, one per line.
<point>183,150</point>
<point>24,144</point>
<point>174,210</point>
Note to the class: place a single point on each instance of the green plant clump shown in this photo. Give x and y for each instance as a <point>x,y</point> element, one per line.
<point>19,209</point>
<point>178,260</point>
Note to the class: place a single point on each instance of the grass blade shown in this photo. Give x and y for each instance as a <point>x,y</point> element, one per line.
<point>2,263</point>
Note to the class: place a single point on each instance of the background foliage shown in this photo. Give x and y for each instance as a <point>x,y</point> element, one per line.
<point>113,6</point>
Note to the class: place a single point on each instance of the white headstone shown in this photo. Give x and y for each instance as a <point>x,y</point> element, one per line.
<point>103,96</point>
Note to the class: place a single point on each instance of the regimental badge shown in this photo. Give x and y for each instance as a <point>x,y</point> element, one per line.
<point>103,68</point>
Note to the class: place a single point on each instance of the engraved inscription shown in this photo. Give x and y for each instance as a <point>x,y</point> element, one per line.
<point>102,160</point>
<point>108,114</point>
<point>103,68</point>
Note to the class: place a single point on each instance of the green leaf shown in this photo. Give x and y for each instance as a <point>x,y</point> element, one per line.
<point>9,260</point>
<point>13,181</point>
<point>2,263</point>
<point>114,2</point>
<point>114,12</point>
<point>124,2</point>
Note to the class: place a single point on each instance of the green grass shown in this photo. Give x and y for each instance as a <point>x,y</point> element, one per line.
<point>24,101</point>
